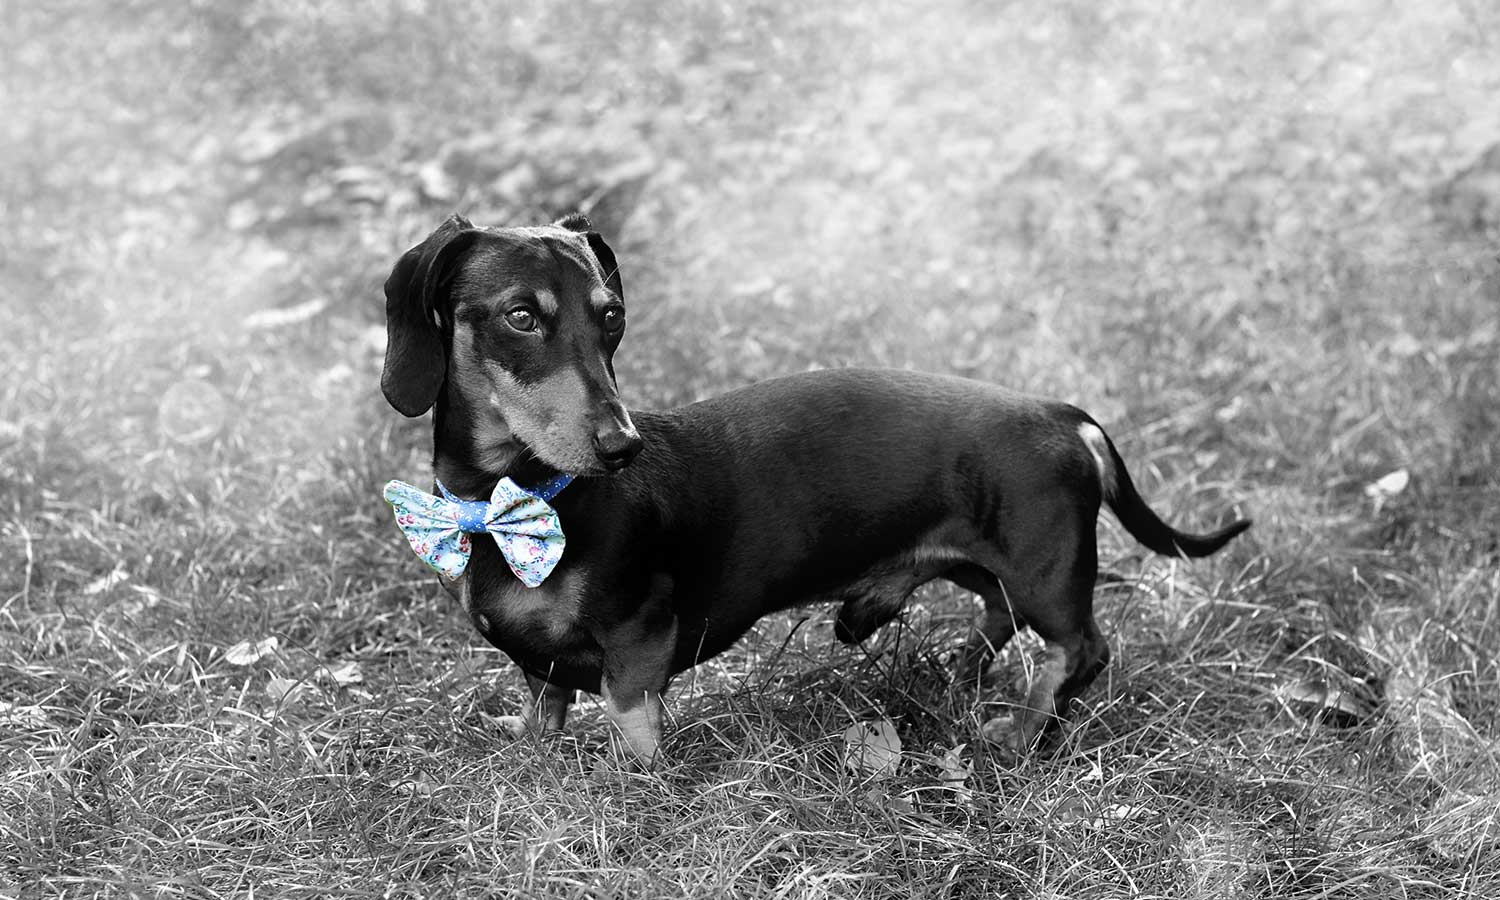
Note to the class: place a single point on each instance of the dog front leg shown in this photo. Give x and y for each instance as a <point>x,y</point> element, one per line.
<point>549,705</point>
<point>637,666</point>
<point>546,712</point>
<point>637,712</point>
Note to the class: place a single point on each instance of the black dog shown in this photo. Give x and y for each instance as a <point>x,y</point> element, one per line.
<point>686,526</point>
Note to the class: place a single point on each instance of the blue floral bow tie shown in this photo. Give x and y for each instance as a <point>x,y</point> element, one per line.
<point>525,527</point>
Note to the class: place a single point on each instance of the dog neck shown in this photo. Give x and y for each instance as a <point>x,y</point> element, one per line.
<point>458,460</point>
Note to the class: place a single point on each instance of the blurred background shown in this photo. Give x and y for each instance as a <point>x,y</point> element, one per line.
<point>1261,237</point>
<point>1148,208</point>
<point>1257,240</point>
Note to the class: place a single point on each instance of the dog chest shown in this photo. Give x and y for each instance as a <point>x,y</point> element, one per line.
<point>538,623</point>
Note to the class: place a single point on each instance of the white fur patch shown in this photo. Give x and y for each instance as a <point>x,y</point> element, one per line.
<point>1098,447</point>
<point>640,724</point>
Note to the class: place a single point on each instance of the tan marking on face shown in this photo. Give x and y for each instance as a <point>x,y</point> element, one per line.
<point>1098,448</point>
<point>549,417</point>
<point>493,443</point>
<point>600,297</point>
<point>547,303</point>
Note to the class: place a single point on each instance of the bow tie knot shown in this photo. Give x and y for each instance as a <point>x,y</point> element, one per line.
<point>524,526</point>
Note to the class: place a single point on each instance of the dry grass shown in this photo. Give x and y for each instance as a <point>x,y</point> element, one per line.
<point>1236,237</point>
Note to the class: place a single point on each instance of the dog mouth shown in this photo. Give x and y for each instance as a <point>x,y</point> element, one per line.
<point>614,465</point>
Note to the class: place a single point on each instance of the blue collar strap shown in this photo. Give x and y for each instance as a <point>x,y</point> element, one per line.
<point>550,488</point>
<point>471,512</point>
<point>545,491</point>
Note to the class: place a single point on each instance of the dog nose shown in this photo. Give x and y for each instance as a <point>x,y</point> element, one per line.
<point>616,447</point>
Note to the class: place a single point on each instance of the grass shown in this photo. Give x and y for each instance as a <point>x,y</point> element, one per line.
<point>1258,244</point>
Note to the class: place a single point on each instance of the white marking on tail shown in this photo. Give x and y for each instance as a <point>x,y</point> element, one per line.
<point>1098,445</point>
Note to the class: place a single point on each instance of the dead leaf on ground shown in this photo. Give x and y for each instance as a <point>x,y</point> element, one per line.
<point>1322,702</point>
<point>343,674</point>
<point>1387,486</point>
<point>284,690</point>
<point>282,316</point>
<point>16,715</point>
<point>191,411</point>
<point>246,652</point>
<point>105,582</point>
<point>872,748</point>
<point>1080,810</point>
<point>956,773</point>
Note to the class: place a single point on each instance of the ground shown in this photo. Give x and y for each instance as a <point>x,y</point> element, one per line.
<point>1258,243</point>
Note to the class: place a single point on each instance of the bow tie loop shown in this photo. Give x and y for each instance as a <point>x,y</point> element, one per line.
<point>524,526</point>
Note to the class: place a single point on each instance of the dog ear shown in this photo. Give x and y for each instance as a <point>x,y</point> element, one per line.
<point>607,263</point>
<point>579,222</point>
<point>575,221</point>
<point>415,360</point>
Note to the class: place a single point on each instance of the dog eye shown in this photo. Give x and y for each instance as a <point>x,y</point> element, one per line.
<point>614,318</point>
<point>521,319</point>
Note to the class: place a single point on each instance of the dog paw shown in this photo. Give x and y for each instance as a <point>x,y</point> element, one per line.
<point>514,726</point>
<point>1006,733</point>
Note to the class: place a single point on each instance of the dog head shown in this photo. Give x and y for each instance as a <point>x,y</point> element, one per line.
<point>521,324</point>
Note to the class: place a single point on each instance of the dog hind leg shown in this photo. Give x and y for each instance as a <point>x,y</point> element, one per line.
<point>1057,604</point>
<point>863,615</point>
<point>998,627</point>
<point>1063,671</point>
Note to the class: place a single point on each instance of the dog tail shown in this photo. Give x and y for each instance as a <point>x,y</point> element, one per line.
<point>1139,519</point>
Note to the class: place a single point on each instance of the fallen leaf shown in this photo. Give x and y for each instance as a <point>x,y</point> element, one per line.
<point>152,595</point>
<point>419,787</point>
<point>956,772</point>
<point>1120,812</point>
<point>191,411</point>
<point>1387,486</point>
<point>343,673</point>
<point>282,316</point>
<point>283,690</point>
<point>880,798</point>
<point>105,582</point>
<point>1404,345</point>
<point>242,215</point>
<point>1322,702</point>
<point>873,748</point>
<point>16,715</point>
<point>246,652</point>
<point>1077,809</point>
<point>436,183</point>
